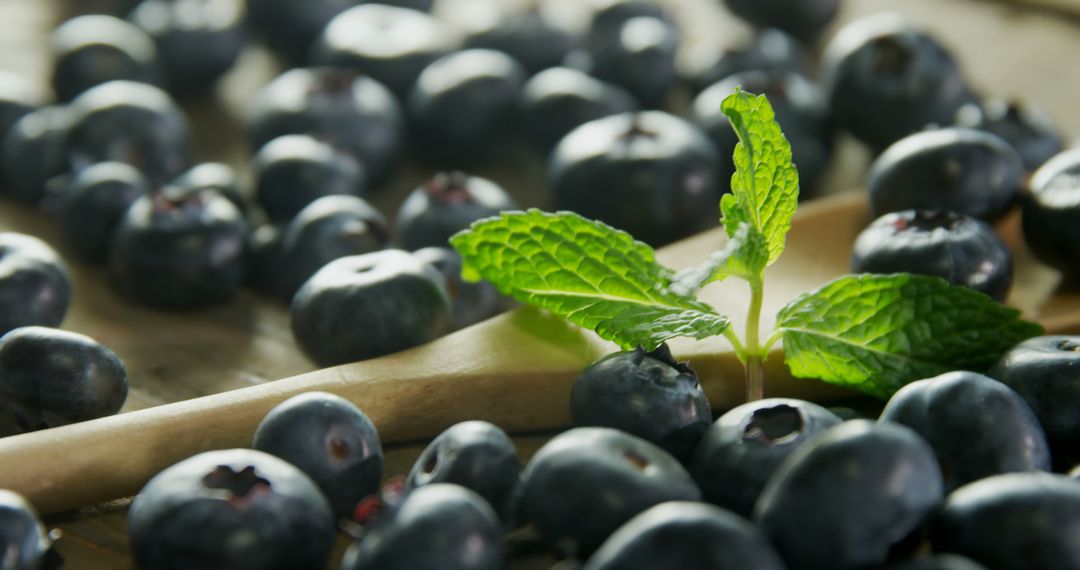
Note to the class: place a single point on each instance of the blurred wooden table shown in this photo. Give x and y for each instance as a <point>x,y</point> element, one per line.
<point>1006,51</point>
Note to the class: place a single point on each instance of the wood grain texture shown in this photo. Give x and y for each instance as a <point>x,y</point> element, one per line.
<point>173,358</point>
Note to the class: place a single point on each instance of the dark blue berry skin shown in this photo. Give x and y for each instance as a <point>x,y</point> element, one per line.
<point>437,527</point>
<point>886,78</point>
<point>801,111</point>
<point>1016,521</point>
<point>768,50</point>
<point>390,44</point>
<point>639,57</point>
<point>328,228</point>
<point>558,100</point>
<point>342,108</point>
<point>461,106</point>
<point>958,248</point>
<point>33,153</point>
<point>647,394</point>
<point>686,536</point>
<point>470,302</point>
<point>330,440</point>
<point>977,426</point>
<point>650,173</point>
<point>804,19</point>
<point>50,377</point>
<point>937,562</point>
<point>445,205</point>
<point>197,42</point>
<point>610,15</point>
<point>24,544</point>
<point>363,306</point>
<point>961,170</point>
<point>91,208</point>
<point>179,250</point>
<point>1045,372</point>
<point>35,288</point>
<point>215,176</point>
<point>866,487</point>
<point>95,49</point>
<point>1049,213</point>
<point>528,37</point>
<point>745,446</point>
<point>18,97</point>
<point>290,27</point>
<point>476,455</point>
<point>130,122</point>
<point>264,260</point>
<point>1026,128</point>
<point>587,482</point>
<point>235,508</point>
<point>293,171</point>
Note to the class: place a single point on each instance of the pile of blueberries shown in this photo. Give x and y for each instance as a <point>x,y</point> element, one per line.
<point>955,474</point>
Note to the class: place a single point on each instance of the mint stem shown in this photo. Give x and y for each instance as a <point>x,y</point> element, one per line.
<point>755,374</point>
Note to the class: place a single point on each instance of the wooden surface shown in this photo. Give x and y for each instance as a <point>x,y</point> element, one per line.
<point>176,357</point>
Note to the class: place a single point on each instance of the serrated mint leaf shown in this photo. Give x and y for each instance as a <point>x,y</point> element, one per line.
<point>876,333</point>
<point>745,255</point>
<point>586,271</point>
<point>765,186</point>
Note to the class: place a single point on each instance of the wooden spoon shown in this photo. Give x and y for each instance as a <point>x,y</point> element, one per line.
<point>515,370</point>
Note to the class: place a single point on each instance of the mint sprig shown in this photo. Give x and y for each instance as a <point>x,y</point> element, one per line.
<point>592,274</point>
<point>873,333</point>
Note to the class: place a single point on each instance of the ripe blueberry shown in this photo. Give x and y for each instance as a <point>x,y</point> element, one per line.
<point>446,204</point>
<point>34,288</point>
<point>24,544</point>
<point>1026,128</point>
<point>92,207</point>
<point>470,302</point>
<point>293,171</point>
<point>557,100</point>
<point>1049,210</point>
<point>94,49</point>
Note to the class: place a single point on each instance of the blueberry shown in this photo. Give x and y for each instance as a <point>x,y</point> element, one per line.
<point>50,377</point>
<point>745,446</point>
<point>24,544</point>
<point>958,248</point>
<point>291,27</point>
<point>363,306</point>
<point>977,426</point>
<point>179,250</point>
<point>264,260</point>
<point>197,40</point>
<point>801,111</point>
<point>1049,212</point>
<point>93,206</point>
<point>328,228</point>
<point>640,57</point>
<point>293,171</point>
<point>470,302</point>
<point>886,78</point>
<point>461,105</point>
<point>437,527</point>
<point>586,482</point>
<point>647,394</point>
<point>33,153</point>
<point>476,455</point>
<point>768,50</point>
<point>557,100</point>
<point>18,97</point>
<point>1026,128</point>
<point>220,178</point>
<point>650,173</point>
<point>95,49</point>
<point>34,285</point>
<point>1017,521</point>
<point>1045,372</point>
<point>390,44</point>
<point>526,35</point>
<point>686,536</point>
<point>937,562</point>
<point>962,170</point>
<point>342,108</point>
<point>130,122</point>
<point>843,499</point>
<point>804,19</point>
<point>610,15</point>
<point>331,441</point>
<point>235,508</point>
<point>445,205</point>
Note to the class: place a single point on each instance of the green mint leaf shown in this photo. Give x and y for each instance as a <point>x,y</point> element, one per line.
<point>876,333</point>
<point>765,186</point>
<point>745,256</point>
<point>588,272</point>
